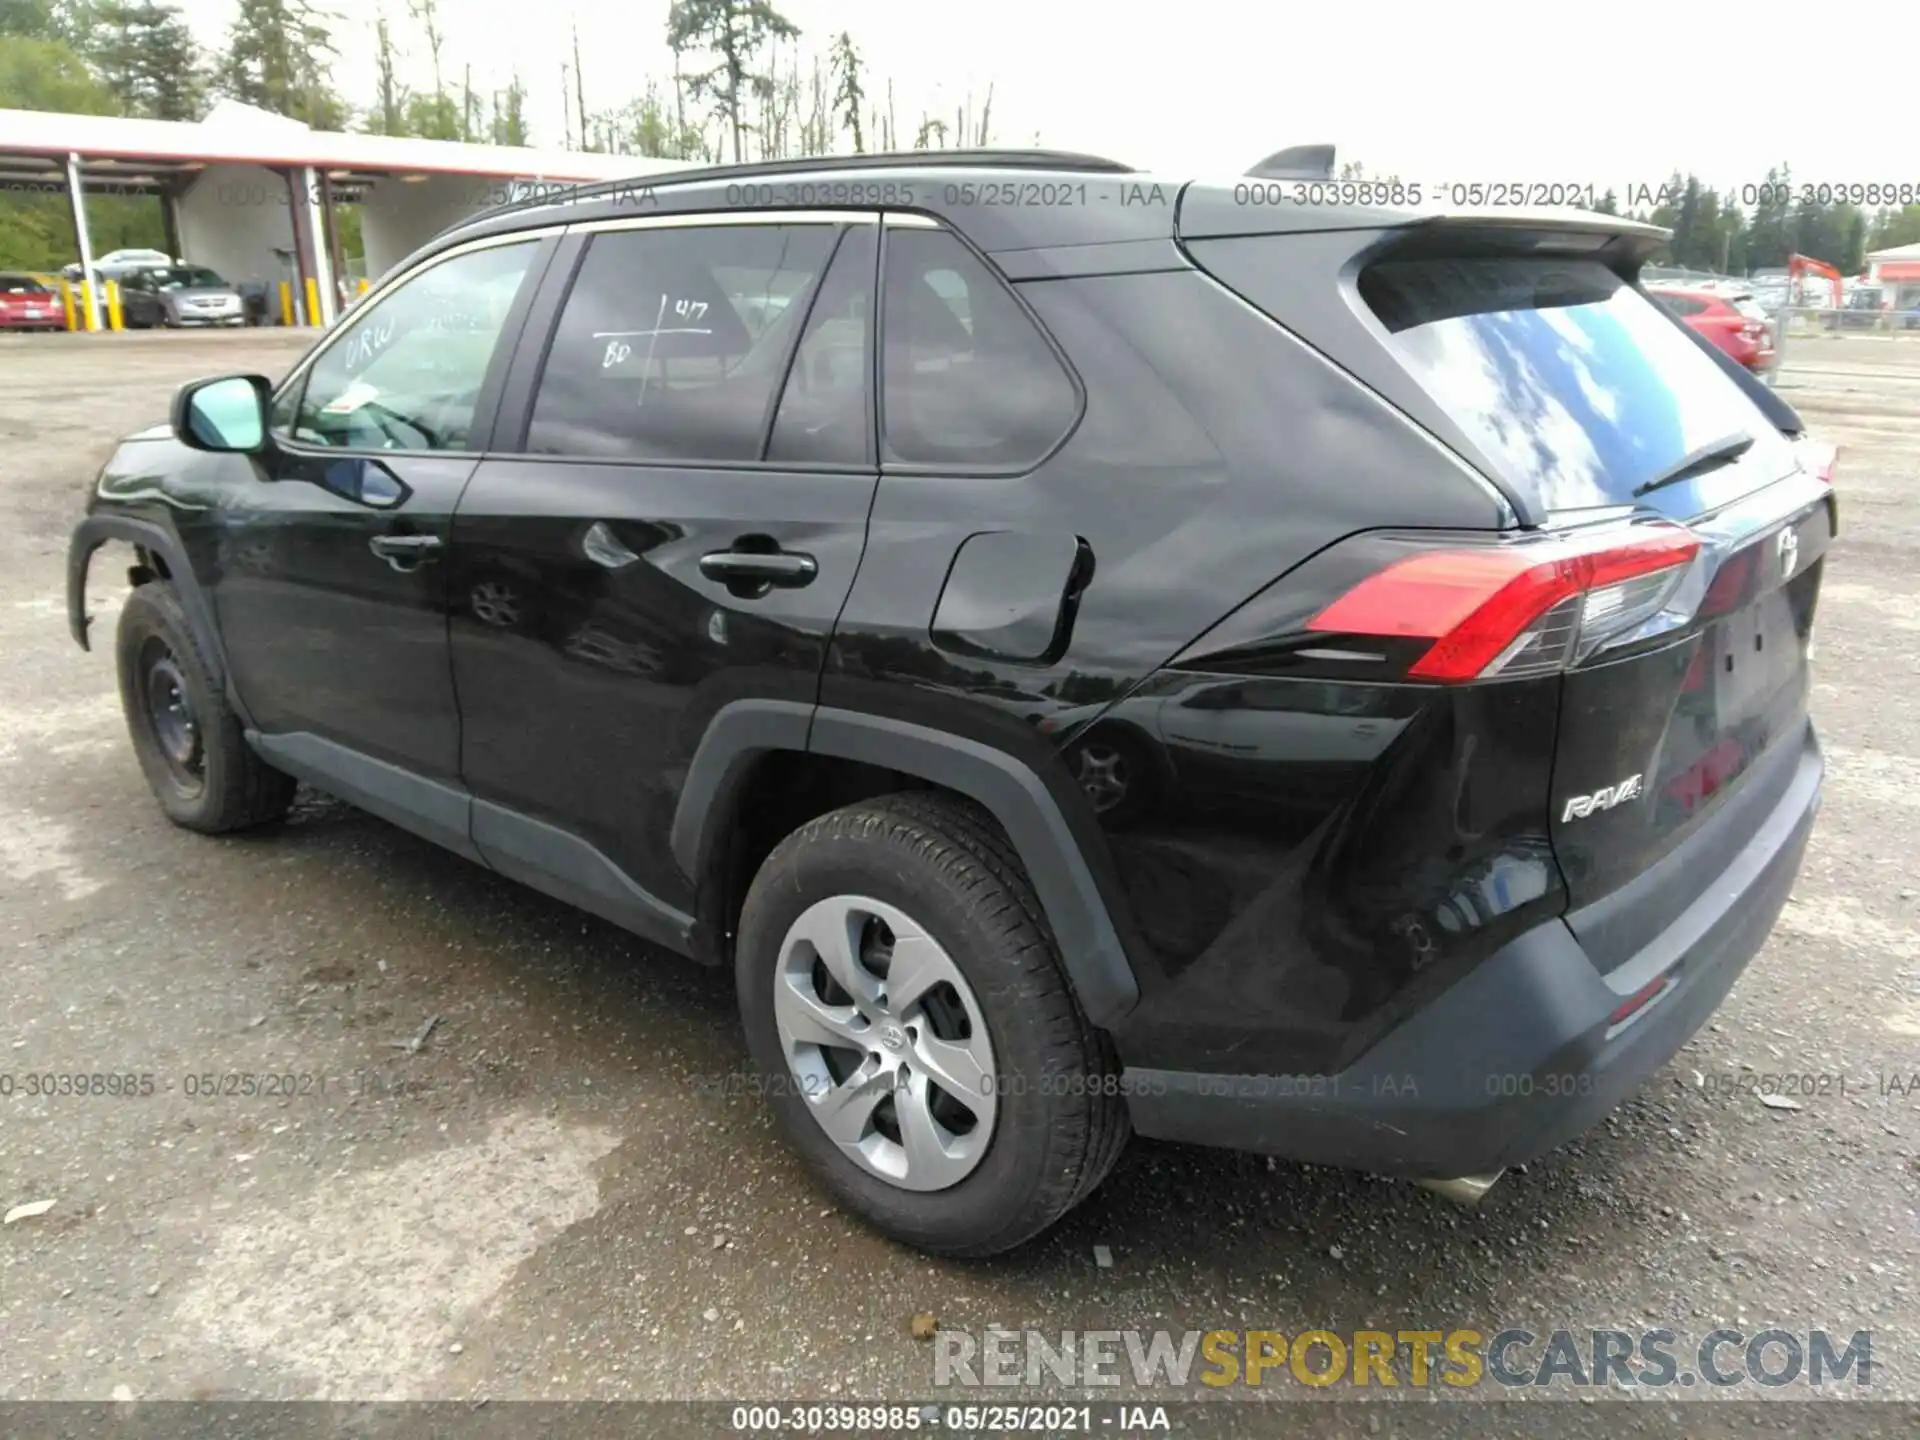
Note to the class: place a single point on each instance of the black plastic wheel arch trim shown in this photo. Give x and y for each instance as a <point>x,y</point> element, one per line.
<point>96,530</point>
<point>742,731</point>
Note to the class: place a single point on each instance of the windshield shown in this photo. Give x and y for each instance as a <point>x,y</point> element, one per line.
<point>185,277</point>
<point>1572,383</point>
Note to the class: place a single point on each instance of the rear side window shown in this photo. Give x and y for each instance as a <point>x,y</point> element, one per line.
<point>1567,377</point>
<point>967,378</point>
<point>673,342</point>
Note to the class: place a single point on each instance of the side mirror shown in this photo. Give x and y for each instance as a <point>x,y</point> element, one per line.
<point>227,415</point>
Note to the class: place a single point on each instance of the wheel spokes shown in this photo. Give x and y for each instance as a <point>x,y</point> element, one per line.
<point>832,929</point>
<point>958,1067</point>
<point>845,1111</point>
<point>808,1020</point>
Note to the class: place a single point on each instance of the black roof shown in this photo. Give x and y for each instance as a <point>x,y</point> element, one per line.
<point>1011,198</point>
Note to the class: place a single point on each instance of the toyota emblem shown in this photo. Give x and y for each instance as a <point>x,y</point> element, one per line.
<point>1788,545</point>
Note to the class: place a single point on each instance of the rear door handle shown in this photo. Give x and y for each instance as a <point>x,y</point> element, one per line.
<point>405,552</point>
<point>735,567</point>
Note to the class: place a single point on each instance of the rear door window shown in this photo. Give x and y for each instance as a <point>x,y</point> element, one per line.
<point>1567,378</point>
<point>673,341</point>
<point>826,414</point>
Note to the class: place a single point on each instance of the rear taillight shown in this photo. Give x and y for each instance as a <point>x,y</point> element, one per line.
<point>1514,610</point>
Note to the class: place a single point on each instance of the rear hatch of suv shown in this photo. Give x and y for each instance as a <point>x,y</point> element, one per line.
<point>1668,554</point>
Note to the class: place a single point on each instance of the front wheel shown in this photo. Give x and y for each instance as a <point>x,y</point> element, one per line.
<point>185,735</point>
<point>912,1025</point>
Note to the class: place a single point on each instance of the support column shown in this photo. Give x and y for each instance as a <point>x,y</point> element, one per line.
<point>76,195</point>
<point>330,223</point>
<point>317,238</point>
<point>297,224</point>
<point>170,220</point>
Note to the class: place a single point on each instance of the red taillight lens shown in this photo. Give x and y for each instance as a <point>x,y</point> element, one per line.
<point>1637,1001</point>
<point>1515,609</point>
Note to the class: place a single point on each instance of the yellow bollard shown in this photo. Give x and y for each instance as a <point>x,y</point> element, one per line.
<point>365,285</point>
<point>86,303</point>
<point>115,321</point>
<point>286,303</point>
<point>66,299</point>
<point>313,302</point>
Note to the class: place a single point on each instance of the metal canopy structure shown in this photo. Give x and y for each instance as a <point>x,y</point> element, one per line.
<point>244,184</point>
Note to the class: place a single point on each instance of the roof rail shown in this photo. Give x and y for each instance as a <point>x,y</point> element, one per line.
<point>984,159</point>
<point>1296,162</point>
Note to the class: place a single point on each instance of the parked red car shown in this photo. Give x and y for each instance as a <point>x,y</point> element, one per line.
<point>1734,322</point>
<point>28,303</point>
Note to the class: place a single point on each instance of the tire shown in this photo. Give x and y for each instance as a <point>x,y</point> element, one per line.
<point>207,777</point>
<point>1057,1122</point>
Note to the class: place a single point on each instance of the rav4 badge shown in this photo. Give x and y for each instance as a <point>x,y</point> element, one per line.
<point>1581,806</point>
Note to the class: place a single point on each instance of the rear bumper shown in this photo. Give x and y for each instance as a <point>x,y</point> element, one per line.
<point>1519,1056</point>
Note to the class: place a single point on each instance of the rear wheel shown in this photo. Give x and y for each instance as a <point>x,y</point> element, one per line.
<point>907,1011</point>
<point>185,735</point>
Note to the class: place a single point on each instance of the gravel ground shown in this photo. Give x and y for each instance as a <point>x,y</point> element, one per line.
<point>546,1202</point>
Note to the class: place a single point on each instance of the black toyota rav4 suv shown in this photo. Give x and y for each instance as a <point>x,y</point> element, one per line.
<point>1094,654</point>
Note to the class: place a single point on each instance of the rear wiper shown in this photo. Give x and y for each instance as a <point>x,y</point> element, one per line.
<point>1704,457</point>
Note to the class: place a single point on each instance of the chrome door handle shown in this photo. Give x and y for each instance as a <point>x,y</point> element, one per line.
<point>750,567</point>
<point>405,552</point>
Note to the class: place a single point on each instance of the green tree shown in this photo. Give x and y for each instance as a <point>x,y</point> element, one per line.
<point>433,117</point>
<point>279,58</point>
<point>28,20</point>
<point>47,75</point>
<point>1892,228</point>
<point>732,33</point>
<point>647,126</point>
<point>144,52</point>
<point>508,125</point>
<point>1770,229</point>
<point>849,94</point>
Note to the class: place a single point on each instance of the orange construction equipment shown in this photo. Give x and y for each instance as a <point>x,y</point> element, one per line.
<point>1798,265</point>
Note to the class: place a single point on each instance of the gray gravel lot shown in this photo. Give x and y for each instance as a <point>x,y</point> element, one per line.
<point>546,1202</point>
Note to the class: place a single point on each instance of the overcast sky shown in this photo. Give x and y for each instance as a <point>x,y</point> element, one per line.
<point>1471,90</point>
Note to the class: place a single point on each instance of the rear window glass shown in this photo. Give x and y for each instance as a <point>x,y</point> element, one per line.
<point>1571,381</point>
<point>21,285</point>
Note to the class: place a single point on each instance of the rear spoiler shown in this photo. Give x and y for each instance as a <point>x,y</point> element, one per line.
<point>1280,204</point>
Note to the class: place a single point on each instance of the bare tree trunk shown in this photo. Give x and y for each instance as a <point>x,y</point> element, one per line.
<point>580,87</point>
<point>679,106</point>
<point>566,109</point>
<point>986,110</point>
